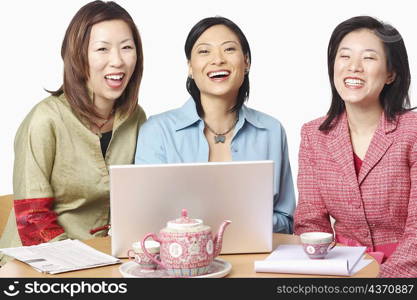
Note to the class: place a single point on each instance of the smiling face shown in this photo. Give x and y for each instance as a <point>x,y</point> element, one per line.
<point>111,58</point>
<point>218,63</point>
<point>360,68</point>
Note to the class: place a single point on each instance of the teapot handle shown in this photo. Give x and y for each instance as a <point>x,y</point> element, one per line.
<point>145,251</point>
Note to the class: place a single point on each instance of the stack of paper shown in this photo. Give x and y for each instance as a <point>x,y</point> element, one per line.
<point>342,261</point>
<point>62,256</point>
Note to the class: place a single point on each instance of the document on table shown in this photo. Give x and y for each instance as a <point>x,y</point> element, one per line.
<point>61,256</point>
<point>342,261</point>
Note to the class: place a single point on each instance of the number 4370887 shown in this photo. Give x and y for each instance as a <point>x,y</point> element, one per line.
<point>391,288</point>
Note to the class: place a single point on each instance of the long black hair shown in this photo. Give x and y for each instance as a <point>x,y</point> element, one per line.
<point>394,97</point>
<point>193,36</point>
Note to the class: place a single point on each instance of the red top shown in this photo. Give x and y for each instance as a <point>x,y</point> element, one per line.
<point>358,163</point>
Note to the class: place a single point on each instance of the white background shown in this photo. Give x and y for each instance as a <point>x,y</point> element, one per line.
<point>288,40</point>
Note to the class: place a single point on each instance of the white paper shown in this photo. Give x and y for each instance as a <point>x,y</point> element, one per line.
<point>61,256</point>
<point>342,261</point>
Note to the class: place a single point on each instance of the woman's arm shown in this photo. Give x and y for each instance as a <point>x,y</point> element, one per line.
<point>33,194</point>
<point>284,200</point>
<point>311,213</point>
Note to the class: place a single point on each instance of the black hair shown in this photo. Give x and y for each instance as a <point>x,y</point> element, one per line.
<point>394,97</point>
<point>193,36</point>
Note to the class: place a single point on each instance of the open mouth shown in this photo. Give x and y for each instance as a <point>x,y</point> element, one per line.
<point>354,82</point>
<point>218,75</point>
<point>114,80</point>
<point>115,76</point>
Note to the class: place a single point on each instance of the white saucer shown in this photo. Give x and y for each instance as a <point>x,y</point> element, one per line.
<point>218,268</point>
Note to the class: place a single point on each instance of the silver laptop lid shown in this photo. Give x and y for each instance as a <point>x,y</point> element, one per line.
<point>144,197</point>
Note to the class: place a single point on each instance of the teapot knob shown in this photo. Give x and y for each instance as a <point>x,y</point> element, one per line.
<point>184,213</point>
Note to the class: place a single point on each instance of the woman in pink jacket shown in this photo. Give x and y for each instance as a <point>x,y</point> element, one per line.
<point>358,164</point>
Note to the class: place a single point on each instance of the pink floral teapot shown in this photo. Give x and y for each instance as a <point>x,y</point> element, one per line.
<point>187,246</point>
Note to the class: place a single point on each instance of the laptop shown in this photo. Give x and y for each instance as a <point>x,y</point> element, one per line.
<point>143,198</point>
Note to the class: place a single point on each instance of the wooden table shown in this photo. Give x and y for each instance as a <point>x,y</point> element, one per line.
<point>242,264</point>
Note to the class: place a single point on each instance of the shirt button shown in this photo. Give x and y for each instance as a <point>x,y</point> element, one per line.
<point>366,234</point>
<point>234,149</point>
<point>358,205</point>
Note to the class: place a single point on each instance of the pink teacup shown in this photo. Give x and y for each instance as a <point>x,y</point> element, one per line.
<point>146,264</point>
<point>317,244</point>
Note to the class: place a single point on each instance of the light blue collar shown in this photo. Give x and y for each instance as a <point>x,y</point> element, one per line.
<point>187,115</point>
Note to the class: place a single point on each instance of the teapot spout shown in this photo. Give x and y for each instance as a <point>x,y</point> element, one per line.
<point>218,240</point>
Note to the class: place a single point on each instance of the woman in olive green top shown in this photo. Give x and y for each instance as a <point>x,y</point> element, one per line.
<point>64,146</point>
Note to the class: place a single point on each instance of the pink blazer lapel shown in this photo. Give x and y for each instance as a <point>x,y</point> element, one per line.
<point>379,145</point>
<point>340,148</point>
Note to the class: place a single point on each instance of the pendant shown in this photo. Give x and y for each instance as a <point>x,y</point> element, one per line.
<point>219,138</point>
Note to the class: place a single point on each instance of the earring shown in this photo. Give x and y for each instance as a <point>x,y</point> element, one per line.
<point>246,71</point>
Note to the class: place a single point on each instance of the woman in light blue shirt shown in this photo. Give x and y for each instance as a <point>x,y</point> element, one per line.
<point>214,124</point>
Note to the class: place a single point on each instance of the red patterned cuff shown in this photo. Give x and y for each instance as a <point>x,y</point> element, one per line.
<point>36,222</point>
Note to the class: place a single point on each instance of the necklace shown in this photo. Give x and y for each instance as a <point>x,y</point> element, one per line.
<point>104,123</point>
<point>101,126</point>
<point>220,137</point>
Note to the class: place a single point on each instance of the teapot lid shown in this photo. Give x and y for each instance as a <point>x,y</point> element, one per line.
<point>184,222</point>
